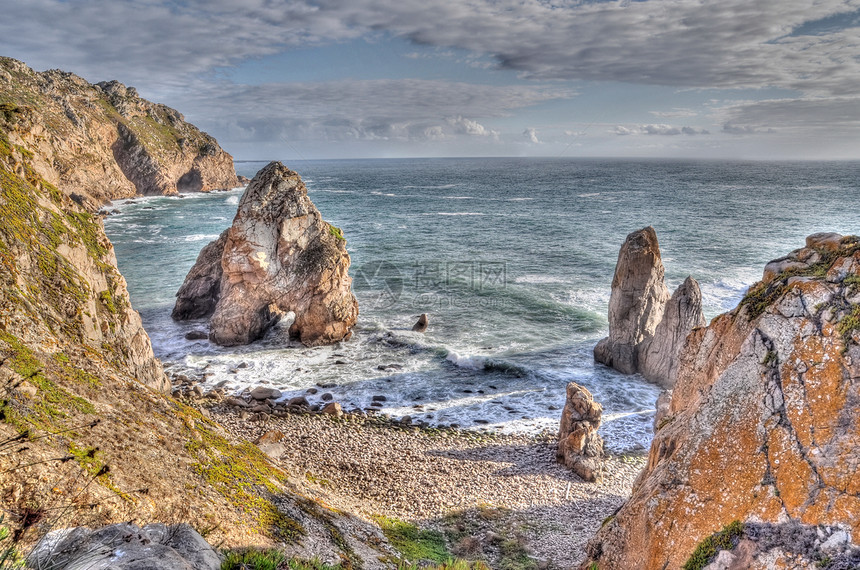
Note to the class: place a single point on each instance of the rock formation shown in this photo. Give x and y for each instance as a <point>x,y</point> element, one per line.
<point>658,355</point>
<point>579,445</point>
<point>101,142</point>
<point>421,324</point>
<point>279,256</point>
<point>126,547</point>
<point>762,425</point>
<point>641,339</point>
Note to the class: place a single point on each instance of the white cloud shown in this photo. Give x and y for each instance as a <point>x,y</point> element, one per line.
<point>658,129</point>
<point>674,113</point>
<point>530,135</point>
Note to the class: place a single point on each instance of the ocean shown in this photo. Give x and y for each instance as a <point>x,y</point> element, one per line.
<point>512,258</point>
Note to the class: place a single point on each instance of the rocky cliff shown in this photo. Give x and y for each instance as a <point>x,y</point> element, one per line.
<point>647,327</point>
<point>278,257</point>
<point>100,142</point>
<point>758,453</point>
<point>88,435</point>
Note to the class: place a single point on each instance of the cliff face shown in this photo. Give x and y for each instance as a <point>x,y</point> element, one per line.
<point>279,256</point>
<point>88,435</point>
<point>647,327</point>
<point>762,425</point>
<point>102,141</point>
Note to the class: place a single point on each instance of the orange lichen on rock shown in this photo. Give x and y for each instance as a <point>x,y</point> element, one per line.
<point>764,426</point>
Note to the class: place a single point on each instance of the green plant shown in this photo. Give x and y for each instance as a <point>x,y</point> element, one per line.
<point>336,232</point>
<point>706,550</point>
<point>9,556</point>
<point>253,560</point>
<point>849,323</point>
<point>413,543</point>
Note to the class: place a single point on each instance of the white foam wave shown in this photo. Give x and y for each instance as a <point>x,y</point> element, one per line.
<point>199,237</point>
<point>469,362</point>
<point>454,214</point>
<point>232,200</point>
<point>388,194</point>
<point>588,195</point>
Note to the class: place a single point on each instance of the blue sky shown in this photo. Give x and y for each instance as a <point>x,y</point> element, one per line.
<point>303,79</point>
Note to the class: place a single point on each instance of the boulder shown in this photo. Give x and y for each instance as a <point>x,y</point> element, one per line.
<point>762,428</point>
<point>332,409</point>
<point>279,256</point>
<point>579,445</point>
<point>125,546</point>
<point>421,325</point>
<point>636,304</point>
<point>658,355</point>
<point>262,393</point>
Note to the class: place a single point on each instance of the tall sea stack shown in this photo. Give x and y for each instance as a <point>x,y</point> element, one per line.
<point>647,327</point>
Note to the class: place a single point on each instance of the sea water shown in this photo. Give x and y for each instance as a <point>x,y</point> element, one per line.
<point>511,258</point>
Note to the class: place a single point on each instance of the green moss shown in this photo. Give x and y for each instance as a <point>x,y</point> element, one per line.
<point>706,550</point>
<point>852,282</point>
<point>849,324</point>
<point>336,232</point>
<point>106,299</point>
<point>240,473</point>
<point>253,560</point>
<point>413,543</point>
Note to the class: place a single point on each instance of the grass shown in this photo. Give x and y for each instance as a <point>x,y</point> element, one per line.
<point>849,324</point>
<point>412,543</point>
<point>706,550</point>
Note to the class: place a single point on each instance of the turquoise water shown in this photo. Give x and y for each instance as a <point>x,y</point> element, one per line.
<point>511,258</point>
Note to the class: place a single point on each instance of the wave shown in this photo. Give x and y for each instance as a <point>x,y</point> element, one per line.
<point>232,200</point>
<point>454,214</point>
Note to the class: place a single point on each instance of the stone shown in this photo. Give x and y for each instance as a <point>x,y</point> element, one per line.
<point>379,398</point>
<point>125,546</point>
<point>28,390</point>
<point>333,409</point>
<point>421,325</point>
<point>278,257</point>
<point>763,430</point>
<point>299,402</point>
<point>636,303</point>
<point>829,241</point>
<point>236,402</point>
<point>263,393</point>
<point>664,407</point>
<point>580,447</point>
<point>196,335</point>
<point>658,355</point>
<point>327,397</point>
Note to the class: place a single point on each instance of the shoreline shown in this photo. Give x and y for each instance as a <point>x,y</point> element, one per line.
<point>483,491</point>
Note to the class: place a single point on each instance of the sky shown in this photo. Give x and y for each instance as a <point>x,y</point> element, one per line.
<point>306,79</point>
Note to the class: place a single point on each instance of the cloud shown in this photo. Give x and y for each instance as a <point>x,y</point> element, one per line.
<point>837,115</point>
<point>663,130</point>
<point>530,135</point>
<point>674,113</point>
<point>728,44</point>
<point>385,109</point>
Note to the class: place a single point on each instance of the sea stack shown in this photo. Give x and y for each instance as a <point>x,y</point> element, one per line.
<point>279,256</point>
<point>647,327</point>
<point>757,452</point>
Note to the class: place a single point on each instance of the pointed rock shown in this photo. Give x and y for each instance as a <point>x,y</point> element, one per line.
<point>658,355</point>
<point>278,256</point>
<point>638,299</point>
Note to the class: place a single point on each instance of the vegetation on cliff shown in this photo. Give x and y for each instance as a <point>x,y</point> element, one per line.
<point>99,142</point>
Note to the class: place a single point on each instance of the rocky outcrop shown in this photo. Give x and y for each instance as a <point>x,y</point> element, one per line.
<point>647,327</point>
<point>421,324</point>
<point>579,445</point>
<point>101,142</point>
<point>201,289</point>
<point>658,355</point>
<point>636,305</point>
<point>762,425</point>
<point>125,547</point>
<point>278,257</point>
